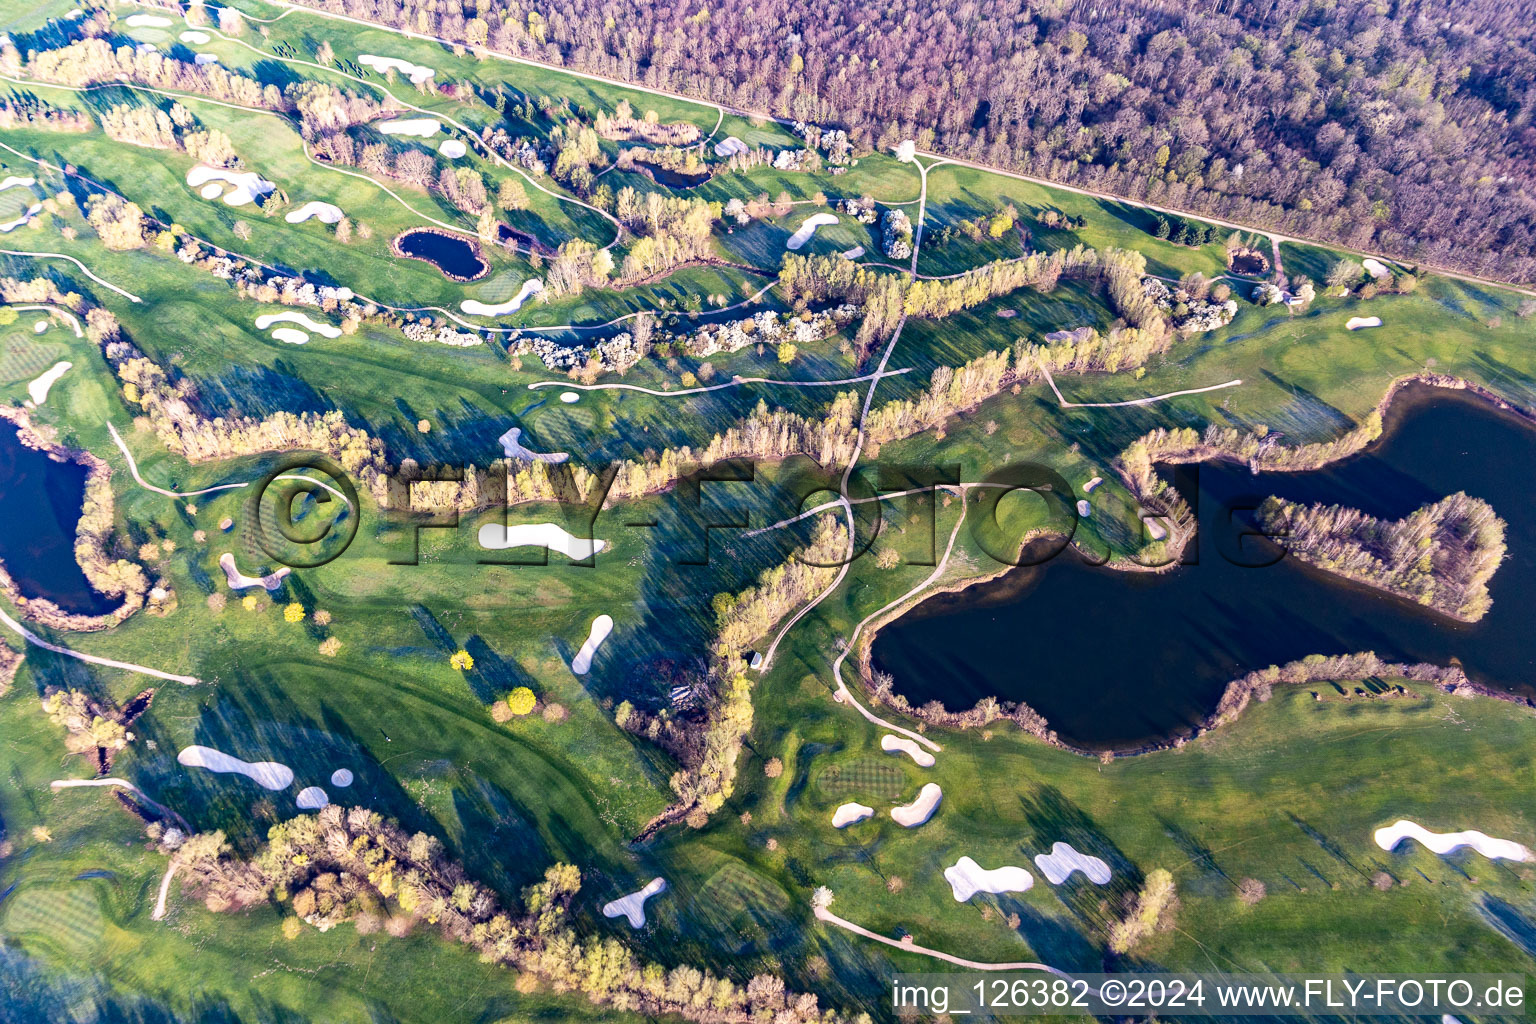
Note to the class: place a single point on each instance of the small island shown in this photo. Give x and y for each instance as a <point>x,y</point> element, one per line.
<point>1441,556</point>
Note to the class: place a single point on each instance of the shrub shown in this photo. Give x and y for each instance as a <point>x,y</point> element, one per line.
<point>293,613</point>
<point>329,646</point>
<point>500,712</point>
<point>521,701</point>
<point>1250,891</point>
<point>774,768</point>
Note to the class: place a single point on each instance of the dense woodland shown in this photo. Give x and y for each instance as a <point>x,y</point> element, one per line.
<point>1401,127</point>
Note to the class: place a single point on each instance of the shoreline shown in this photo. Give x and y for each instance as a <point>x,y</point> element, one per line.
<point>90,540</point>
<point>991,708</point>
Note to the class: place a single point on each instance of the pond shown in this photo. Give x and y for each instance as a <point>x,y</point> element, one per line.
<point>40,503</point>
<point>672,178</point>
<point>1116,659</point>
<point>459,258</point>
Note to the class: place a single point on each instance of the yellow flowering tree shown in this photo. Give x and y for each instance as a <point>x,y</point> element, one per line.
<point>294,612</point>
<point>462,660</point>
<point>521,701</point>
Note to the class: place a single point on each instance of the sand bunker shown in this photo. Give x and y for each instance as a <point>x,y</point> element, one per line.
<point>569,396</point>
<point>268,319</point>
<point>808,228</point>
<point>601,627</point>
<point>847,814</point>
<point>425,127</point>
<point>16,182</point>
<point>247,186</point>
<point>195,37</point>
<point>417,73</point>
<point>854,253</point>
<point>901,745</point>
<point>1448,842</point>
<point>267,774</point>
<point>513,448</point>
<point>730,146</point>
<point>240,581</point>
<point>312,798</point>
<point>38,389</point>
<point>920,810</point>
<point>326,213</point>
<point>1155,529</point>
<point>530,287</point>
<point>1059,864</point>
<point>341,778</point>
<point>12,225</point>
<point>1089,487</point>
<point>291,336</point>
<point>1083,508</point>
<point>205,58</point>
<point>967,878</point>
<point>633,905</point>
<point>452,149</point>
<point>146,21</point>
<point>40,327</point>
<point>1376,268</point>
<point>1357,322</point>
<point>496,537</point>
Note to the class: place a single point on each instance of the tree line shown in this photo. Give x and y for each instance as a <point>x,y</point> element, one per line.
<point>1402,128</point>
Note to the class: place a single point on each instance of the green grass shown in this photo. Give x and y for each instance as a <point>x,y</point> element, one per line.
<point>1288,795</point>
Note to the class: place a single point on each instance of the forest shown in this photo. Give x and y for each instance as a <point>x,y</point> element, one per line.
<point>1401,128</point>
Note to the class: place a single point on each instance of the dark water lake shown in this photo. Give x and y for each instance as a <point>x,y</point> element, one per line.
<point>458,258</point>
<point>39,506</point>
<point>1117,659</point>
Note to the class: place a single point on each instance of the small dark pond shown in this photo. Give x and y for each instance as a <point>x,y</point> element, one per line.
<point>40,503</point>
<point>670,178</point>
<point>458,258</point>
<point>1118,659</point>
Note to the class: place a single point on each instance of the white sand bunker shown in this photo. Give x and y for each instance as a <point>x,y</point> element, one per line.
<point>1357,322</point>
<point>512,447</point>
<point>633,905</point>
<point>38,389</point>
<point>808,228</point>
<point>1447,842</point>
<point>195,37</point>
<point>240,581</point>
<point>1091,485</point>
<point>475,307</point>
<point>730,146</point>
<point>847,814</point>
<point>601,627</point>
<point>13,181</point>
<point>1083,508</point>
<point>247,187</point>
<point>1375,268</point>
<point>326,213</point>
<point>496,537</point>
<point>205,58</point>
<point>341,778</point>
<point>40,327</point>
<point>425,127</point>
<point>920,810</point>
<point>1059,864</point>
<point>267,774</point>
<point>12,225</point>
<point>569,396</point>
<point>452,149</point>
<point>854,253</point>
<point>146,21</point>
<point>312,798</point>
<point>291,336</point>
<point>901,745</point>
<point>967,878</point>
<point>290,317</point>
<point>417,73</point>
